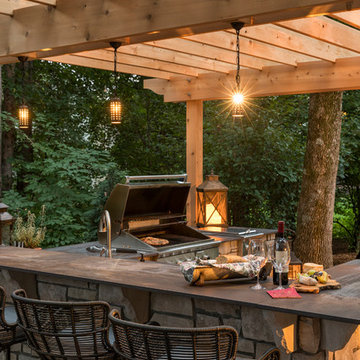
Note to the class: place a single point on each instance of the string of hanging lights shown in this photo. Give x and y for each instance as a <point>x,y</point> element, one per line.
<point>115,102</point>
<point>237,97</point>
<point>23,111</point>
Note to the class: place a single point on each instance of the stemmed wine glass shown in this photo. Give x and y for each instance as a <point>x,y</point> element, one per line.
<point>257,257</point>
<point>280,258</point>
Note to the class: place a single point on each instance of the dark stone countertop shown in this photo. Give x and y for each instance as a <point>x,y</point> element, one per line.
<point>340,305</point>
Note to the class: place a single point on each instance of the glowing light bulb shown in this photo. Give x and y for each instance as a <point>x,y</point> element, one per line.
<point>238,98</point>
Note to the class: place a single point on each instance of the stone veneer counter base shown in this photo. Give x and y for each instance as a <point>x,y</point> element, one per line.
<point>339,305</point>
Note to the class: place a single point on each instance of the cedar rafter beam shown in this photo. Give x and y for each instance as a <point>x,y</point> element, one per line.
<point>349,17</point>
<point>317,76</point>
<point>295,42</point>
<point>6,9</point>
<point>74,59</point>
<point>183,45</point>
<point>36,28</point>
<point>44,2</point>
<point>137,61</point>
<point>225,40</point>
<point>191,60</point>
<point>327,30</point>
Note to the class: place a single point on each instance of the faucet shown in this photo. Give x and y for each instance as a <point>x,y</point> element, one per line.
<point>105,222</point>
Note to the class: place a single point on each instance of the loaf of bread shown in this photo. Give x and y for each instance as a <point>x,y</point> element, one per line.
<point>311,266</point>
<point>228,259</point>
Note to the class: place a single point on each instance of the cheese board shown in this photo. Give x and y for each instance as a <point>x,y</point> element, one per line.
<point>315,289</point>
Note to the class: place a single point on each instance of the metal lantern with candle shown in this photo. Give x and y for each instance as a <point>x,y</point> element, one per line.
<point>6,221</point>
<point>212,203</point>
<point>115,102</point>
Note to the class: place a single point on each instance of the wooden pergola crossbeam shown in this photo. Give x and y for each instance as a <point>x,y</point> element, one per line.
<point>35,28</point>
<point>310,77</point>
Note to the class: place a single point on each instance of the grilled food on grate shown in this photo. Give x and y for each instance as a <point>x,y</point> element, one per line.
<point>155,241</point>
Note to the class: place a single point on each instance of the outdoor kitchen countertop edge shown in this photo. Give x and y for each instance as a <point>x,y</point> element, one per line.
<point>338,305</point>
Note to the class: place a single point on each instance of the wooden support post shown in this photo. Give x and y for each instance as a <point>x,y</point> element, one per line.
<point>194,154</point>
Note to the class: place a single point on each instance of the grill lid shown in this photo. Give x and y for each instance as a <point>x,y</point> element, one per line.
<point>149,197</point>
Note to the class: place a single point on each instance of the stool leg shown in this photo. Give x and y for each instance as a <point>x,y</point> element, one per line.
<point>8,353</point>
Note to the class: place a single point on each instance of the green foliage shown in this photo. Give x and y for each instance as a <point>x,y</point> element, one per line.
<point>259,159</point>
<point>348,189</point>
<point>66,180</point>
<point>343,219</point>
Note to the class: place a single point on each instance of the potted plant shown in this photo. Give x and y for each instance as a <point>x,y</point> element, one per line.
<point>27,233</point>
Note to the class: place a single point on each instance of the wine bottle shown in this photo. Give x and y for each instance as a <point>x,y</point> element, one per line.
<point>280,241</point>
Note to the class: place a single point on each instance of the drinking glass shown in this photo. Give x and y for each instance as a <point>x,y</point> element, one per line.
<point>279,259</point>
<point>257,257</point>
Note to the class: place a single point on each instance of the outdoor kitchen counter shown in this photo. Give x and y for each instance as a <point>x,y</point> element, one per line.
<point>339,305</point>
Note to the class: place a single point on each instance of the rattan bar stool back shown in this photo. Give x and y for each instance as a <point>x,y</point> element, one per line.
<point>143,342</point>
<point>10,333</point>
<point>65,330</point>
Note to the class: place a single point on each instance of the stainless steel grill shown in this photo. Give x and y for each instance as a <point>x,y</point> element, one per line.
<point>154,206</point>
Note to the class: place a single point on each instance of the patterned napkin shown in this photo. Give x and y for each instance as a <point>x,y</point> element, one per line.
<point>289,293</point>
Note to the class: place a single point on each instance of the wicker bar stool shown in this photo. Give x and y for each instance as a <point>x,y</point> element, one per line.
<point>142,342</point>
<point>65,330</point>
<point>10,333</point>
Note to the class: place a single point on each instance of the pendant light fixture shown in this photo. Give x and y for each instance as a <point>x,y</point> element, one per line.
<point>23,111</point>
<point>115,102</point>
<point>237,97</point>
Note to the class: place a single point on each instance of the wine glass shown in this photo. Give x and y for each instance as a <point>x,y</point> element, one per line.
<point>257,258</point>
<point>280,258</point>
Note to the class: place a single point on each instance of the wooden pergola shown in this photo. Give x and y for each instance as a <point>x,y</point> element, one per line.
<point>189,48</point>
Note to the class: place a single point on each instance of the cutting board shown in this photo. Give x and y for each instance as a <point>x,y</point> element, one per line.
<point>315,289</point>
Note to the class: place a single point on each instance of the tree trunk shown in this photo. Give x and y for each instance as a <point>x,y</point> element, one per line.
<point>8,136</point>
<point>316,204</point>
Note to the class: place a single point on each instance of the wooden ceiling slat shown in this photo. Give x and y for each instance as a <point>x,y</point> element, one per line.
<point>349,17</point>
<point>183,45</point>
<point>176,57</point>
<point>6,9</point>
<point>225,40</point>
<point>108,65</point>
<point>293,41</point>
<point>133,60</point>
<point>326,30</point>
<point>44,2</point>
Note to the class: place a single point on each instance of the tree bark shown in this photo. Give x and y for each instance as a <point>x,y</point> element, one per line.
<point>316,204</point>
<point>8,136</point>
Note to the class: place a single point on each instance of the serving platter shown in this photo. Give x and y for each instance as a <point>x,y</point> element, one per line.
<point>315,289</point>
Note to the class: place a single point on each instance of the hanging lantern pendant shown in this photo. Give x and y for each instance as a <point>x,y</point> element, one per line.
<point>115,102</point>
<point>24,111</point>
<point>238,97</point>
<point>24,117</point>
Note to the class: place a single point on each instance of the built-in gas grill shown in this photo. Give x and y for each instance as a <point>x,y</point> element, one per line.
<point>154,206</point>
